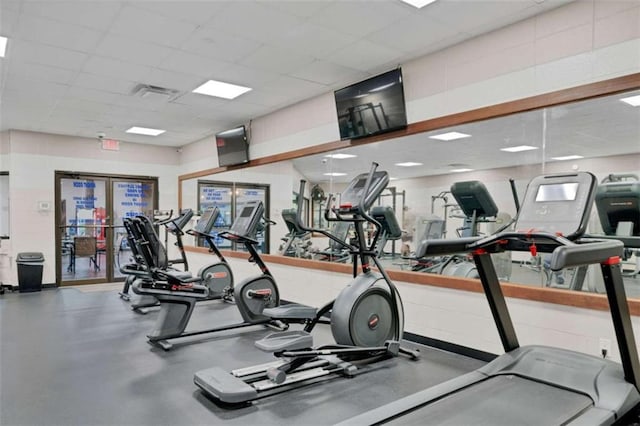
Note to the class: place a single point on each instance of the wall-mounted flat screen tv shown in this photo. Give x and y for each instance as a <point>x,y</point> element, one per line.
<point>233,147</point>
<point>372,106</point>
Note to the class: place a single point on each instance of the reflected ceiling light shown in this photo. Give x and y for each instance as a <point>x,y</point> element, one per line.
<point>145,131</point>
<point>335,174</point>
<point>3,46</point>
<point>384,86</point>
<point>418,3</point>
<point>461,170</point>
<point>450,136</point>
<point>567,157</point>
<point>519,148</point>
<point>393,178</point>
<point>221,89</point>
<point>408,164</point>
<point>632,100</point>
<point>340,156</point>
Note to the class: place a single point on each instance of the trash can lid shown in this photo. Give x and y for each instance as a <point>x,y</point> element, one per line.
<point>29,257</point>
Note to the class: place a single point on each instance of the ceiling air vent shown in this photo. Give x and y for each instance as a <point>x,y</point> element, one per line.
<point>154,93</point>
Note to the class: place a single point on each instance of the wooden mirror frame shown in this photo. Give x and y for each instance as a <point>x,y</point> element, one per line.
<point>547,295</point>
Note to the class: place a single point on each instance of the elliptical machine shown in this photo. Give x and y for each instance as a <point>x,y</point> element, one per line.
<point>178,295</point>
<point>367,317</point>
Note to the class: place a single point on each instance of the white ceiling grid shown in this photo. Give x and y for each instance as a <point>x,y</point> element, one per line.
<point>71,66</point>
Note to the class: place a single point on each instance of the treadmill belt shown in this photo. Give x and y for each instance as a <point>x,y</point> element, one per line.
<point>501,400</point>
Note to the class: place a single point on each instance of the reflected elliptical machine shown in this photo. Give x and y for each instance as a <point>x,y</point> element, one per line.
<point>367,317</point>
<point>535,384</point>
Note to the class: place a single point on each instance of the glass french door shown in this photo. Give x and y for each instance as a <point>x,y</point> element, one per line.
<point>90,236</point>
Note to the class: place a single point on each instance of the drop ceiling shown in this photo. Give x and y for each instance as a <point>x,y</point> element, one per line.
<point>71,66</point>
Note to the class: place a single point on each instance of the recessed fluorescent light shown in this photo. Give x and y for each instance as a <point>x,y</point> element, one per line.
<point>335,174</point>
<point>340,156</point>
<point>3,46</point>
<point>393,178</point>
<point>221,89</point>
<point>450,136</point>
<point>461,170</point>
<point>518,148</point>
<point>408,164</point>
<point>568,157</point>
<point>633,100</point>
<point>419,3</point>
<point>145,131</point>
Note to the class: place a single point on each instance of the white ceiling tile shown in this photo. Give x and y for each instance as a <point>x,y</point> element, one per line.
<point>115,68</point>
<point>142,24</point>
<point>200,102</point>
<point>26,85</point>
<point>93,95</point>
<point>128,50</point>
<point>197,12</point>
<point>26,99</point>
<point>11,5</point>
<point>303,9</point>
<point>276,60</point>
<point>50,32</point>
<point>91,14</point>
<point>211,42</point>
<point>192,64</point>
<point>244,76</point>
<point>311,39</point>
<point>8,22</point>
<point>29,52</point>
<point>294,87</point>
<point>363,55</point>
<point>89,107</point>
<point>412,33</point>
<point>253,20</point>
<point>327,73</point>
<point>173,80</point>
<point>106,84</point>
<point>42,72</point>
<point>360,18</point>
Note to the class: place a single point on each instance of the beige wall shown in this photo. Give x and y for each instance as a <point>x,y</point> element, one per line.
<point>34,158</point>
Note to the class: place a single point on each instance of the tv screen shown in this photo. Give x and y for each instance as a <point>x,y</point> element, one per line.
<point>233,147</point>
<point>372,106</point>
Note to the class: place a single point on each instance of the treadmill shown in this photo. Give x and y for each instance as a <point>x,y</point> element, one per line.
<point>535,385</point>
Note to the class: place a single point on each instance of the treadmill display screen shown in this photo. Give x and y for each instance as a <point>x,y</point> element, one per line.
<point>246,212</point>
<point>557,192</point>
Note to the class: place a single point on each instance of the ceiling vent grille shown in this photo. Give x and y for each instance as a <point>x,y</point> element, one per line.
<point>154,93</point>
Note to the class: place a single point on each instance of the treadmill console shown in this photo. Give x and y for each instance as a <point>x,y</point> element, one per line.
<point>351,197</point>
<point>247,221</point>
<point>207,220</point>
<point>558,204</point>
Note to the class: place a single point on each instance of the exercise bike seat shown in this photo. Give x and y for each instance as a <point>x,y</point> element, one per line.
<point>291,311</point>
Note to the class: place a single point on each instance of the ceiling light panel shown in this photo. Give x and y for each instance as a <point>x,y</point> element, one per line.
<point>145,131</point>
<point>340,156</point>
<point>418,3</point>
<point>461,170</point>
<point>221,89</point>
<point>450,136</point>
<point>408,164</point>
<point>567,157</point>
<point>3,46</point>
<point>519,148</point>
<point>632,100</point>
<point>334,174</point>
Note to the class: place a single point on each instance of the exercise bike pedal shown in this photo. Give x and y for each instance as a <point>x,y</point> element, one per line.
<point>124,296</point>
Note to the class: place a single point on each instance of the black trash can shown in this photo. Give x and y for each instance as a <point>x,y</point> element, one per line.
<point>30,265</point>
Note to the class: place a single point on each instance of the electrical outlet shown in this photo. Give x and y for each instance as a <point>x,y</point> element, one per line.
<point>605,347</point>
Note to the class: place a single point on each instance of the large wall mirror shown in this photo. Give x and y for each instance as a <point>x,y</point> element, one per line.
<point>599,133</point>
